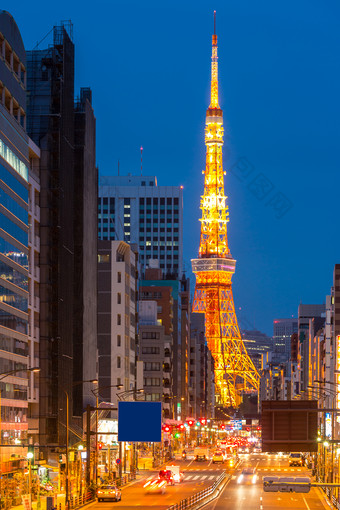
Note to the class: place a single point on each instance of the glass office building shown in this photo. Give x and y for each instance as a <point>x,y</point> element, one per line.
<point>136,210</point>
<point>14,164</point>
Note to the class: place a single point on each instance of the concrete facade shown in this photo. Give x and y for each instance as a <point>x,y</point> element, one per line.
<point>137,210</point>
<point>117,297</point>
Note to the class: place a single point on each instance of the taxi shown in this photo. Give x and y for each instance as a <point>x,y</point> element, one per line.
<point>218,456</point>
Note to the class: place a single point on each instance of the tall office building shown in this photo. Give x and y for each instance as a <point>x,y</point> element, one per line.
<point>65,133</point>
<point>282,332</point>
<point>14,164</point>
<point>136,210</point>
<point>33,290</point>
<point>257,345</point>
<point>117,296</point>
<point>310,319</point>
<point>201,372</point>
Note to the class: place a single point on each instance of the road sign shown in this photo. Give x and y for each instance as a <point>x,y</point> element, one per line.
<point>118,461</point>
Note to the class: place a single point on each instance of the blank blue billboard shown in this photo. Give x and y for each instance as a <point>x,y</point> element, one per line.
<point>140,421</point>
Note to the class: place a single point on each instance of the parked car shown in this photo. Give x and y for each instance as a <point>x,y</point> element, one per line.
<point>109,492</point>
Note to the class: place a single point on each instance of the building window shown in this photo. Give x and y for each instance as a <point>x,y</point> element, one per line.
<point>152,381</point>
<point>150,335</point>
<point>152,366</point>
<point>150,350</point>
<point>119,277</point>
<point>118,361</point>
<point>119,319</point>
<point>119,381</point>
<point>153,397</point>
<point>119,340</point>
<point>119,298</point>
<point>102,259</point>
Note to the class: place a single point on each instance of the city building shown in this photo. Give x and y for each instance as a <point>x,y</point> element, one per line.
<point>167,294</point>
<point>33,290</point>
<point>14,228</point>
<point>201,372</point>
<point>257,344</point>
<point>64,131</point>
<point>135,209</point>
<point>156,353</point>
<point>182,370</point>
<point>307,328</point>
<point>283,329</point>
<point>117,297</point>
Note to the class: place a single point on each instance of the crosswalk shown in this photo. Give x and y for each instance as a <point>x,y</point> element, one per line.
<point>195,477</point>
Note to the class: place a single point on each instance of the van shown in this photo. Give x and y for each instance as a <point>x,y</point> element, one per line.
<point>296,459</point>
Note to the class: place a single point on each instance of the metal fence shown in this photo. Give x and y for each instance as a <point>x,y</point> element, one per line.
<point>199,496</point>
<point>331,498</point>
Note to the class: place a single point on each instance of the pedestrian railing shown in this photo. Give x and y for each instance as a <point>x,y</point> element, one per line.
<point>199,496</point>
<point>328,491</point>
<point>90,495</point>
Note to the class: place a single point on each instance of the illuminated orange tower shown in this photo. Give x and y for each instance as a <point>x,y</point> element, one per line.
<point>215,266</point>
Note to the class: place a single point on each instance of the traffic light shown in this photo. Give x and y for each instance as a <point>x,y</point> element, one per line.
<point>191,422</point>
<point>100,446</point>
<point>181,427</point>
<point>198,424</point>
<point>166,428</point>
<point>203,421</point>
<point>222,427</point>
<point>177,435</point>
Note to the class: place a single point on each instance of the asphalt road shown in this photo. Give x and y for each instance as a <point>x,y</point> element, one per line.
<point>252,497</point>
<point>199,475</point>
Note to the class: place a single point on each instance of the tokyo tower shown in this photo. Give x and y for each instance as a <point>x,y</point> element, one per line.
<point>214,267</point>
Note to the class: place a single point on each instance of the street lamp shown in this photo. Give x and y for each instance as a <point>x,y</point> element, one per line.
<point>96,394</point>
<point>94,381</point>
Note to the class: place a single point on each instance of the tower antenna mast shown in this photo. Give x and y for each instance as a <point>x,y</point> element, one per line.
<point>215,266</point>
<point>141,161</point>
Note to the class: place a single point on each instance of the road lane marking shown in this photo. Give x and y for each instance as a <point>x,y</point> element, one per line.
<point>203,477</point>
<point>306,503</point>
<point>195,477</point>
<point>211,477</point>
<point>187,477</point>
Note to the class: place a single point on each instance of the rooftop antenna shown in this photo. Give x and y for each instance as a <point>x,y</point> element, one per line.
<point>141,161</point>
<point>214,22</point>
<point>118,166</point>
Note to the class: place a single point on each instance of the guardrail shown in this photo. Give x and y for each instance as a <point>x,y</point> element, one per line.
<point>90,495</point>
<point>199,496</point>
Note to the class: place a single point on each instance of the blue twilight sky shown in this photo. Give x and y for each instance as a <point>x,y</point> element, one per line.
<point>148,64</point>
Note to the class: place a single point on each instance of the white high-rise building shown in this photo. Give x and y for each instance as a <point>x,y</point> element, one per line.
<point>135,209</point>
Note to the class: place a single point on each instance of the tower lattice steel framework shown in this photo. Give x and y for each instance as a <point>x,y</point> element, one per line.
<point>214,267</point>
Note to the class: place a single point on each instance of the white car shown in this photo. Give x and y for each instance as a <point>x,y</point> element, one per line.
<point>109,492</point>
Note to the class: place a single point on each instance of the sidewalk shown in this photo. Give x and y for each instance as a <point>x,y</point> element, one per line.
<point>42,507</point>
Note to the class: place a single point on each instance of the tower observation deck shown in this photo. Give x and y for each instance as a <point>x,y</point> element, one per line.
<point>214,267</point>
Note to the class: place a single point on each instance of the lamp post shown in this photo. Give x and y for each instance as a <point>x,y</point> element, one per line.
<point>96,394</point>
<point>334,395</point>
<point>94,381</point>
<point>3,376</point>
